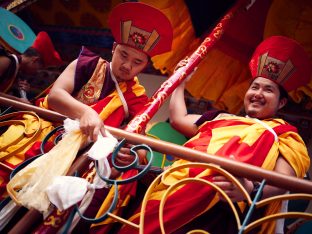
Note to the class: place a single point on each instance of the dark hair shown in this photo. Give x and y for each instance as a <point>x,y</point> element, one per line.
<point>31,52</point>
<point>283,93</point>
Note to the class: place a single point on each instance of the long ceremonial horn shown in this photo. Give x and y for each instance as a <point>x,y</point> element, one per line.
<point>141,119</point>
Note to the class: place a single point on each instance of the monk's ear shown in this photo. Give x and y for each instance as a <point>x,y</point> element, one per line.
<point>114,47</point>
<point>282,103</point>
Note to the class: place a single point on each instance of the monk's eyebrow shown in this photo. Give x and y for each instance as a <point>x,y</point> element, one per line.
<point>124,52</point>
<point>270,87</point>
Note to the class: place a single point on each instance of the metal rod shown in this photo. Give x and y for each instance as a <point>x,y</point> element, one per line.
<point>8,100</point>
<point>237,168</point>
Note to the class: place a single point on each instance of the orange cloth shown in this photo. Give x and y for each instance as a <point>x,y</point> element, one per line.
<point>184,40</point>
<point>232,52</point>
<point>293,19</point>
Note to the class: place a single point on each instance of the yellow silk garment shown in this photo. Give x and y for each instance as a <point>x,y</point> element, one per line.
<point>32,181</point>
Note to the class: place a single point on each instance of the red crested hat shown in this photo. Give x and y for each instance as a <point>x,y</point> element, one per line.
<point>44,46</point>
<point>142,27</point>
<point>282,60</point>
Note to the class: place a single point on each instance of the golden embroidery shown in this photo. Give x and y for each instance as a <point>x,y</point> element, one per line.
<point>91,91</point>
<point>138,37</point>
<point>274,68</point>
<point>91,175</point>
<point>53,221</point>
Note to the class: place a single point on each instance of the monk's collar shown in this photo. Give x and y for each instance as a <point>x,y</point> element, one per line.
<point>111,72</point>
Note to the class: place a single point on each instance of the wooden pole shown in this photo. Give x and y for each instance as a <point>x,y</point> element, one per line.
<point>237,168</point>
<point>11,101</point>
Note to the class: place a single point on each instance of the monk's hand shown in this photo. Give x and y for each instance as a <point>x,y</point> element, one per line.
<point>124,156</point>
<point>183,63</point>
<point>24,85</point>
<point>91,124</point>
<point>231,189</point>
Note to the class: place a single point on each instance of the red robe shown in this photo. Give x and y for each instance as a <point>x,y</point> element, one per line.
<point>227,136</point>
<point>95,87</point>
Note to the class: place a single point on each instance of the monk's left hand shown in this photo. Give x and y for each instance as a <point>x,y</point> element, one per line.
<point>231,189</point>
<point>125,157</point>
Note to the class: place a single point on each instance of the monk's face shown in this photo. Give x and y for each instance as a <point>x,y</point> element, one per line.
<point>262,99</point>
<point>127,62</point>
<point>30,65</point>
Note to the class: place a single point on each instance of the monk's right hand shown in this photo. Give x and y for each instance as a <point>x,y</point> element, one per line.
<point>181,64</point>
<point>91,124</point>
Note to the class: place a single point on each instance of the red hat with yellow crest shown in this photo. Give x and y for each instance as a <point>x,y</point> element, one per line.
<point>142,27</point>
<point>282,60</point>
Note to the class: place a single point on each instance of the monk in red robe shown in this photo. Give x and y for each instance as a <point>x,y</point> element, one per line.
<point>279,65</point>
<point>98,92</point>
